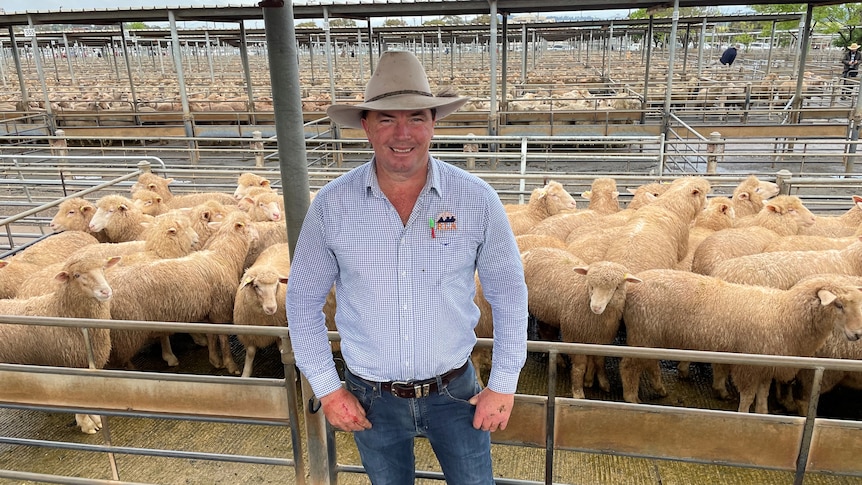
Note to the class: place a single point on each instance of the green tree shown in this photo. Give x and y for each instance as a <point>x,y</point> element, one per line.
<point>135,26</point>
<point>342,23</point>
<point>394,22</point>
<point>306,25</point>
<point>842,20</point>
<point>643,13</point>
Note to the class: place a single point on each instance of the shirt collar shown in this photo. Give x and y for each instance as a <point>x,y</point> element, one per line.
<point>432,181</point>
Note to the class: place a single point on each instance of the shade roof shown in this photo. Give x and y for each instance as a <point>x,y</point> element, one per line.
<point>350,9</point>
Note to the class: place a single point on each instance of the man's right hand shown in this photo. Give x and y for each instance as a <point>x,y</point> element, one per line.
<point>344,412</point>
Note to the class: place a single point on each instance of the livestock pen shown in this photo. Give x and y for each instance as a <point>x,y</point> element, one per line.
<point>193,424</point>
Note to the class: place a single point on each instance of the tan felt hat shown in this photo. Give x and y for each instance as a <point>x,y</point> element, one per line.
<point>398,83</point>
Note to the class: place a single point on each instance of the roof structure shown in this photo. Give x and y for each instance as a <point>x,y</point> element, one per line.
<point>350,9</point>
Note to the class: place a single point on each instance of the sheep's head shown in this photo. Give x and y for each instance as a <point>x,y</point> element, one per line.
<point>605,280</point>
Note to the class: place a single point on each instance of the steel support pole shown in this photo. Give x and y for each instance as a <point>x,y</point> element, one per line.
<point>129,70</point>
<point>665,122</point>
<point>181,81</point>
<point>25,96</point>
<point>287,105</point>
<point>246,70</point>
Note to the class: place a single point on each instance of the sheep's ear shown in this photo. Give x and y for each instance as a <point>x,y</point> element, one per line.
<point>582,270</point>
<point>172,231</point>
<point>123,207</point>
<point>632,278</point>
<point>586,194</point>
<point>152,187</point>
<point>632,190</point>
<point>826,297</point>
<point>282,279</point>
<point>725,208</point>
<point>112,261</point>
<point>615,194</point>
<point>744,196</point>
<point>245,282</point>
<point>169,181</point>
<point>771,208</point>
<point>62,276</point>
<point>86,208</point>
<point>3,262</point>
<point>857,200</point>
<point>265,183</point>
<point>146,224</point>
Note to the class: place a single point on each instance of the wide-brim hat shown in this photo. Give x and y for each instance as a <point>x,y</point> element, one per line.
<point>398,83</point>
<point>853,46</point>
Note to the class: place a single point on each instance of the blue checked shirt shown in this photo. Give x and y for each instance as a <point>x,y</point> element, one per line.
<point>405,293</point>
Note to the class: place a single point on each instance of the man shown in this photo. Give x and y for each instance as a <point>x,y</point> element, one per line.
<point>402,237</point>
<point>728,56</point>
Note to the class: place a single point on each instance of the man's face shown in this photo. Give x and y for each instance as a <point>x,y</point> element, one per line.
<point>401,139</point>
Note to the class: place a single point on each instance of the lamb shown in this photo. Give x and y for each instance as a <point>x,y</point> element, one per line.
<point>527,242</point>
<point>199,287</point>
<point>74,215</point>
<point>268,233</point>
<point>54,249</point>
<point>544,202</point>
<point>781,216</point>
<point>585,302</point>
<point>85,294</point>
<point>657,235</point>
<point>678,309</point>
<point>782,269</point>
<point>811,243</point>
<point>563,224</point>
<point>748,197</point>
<point>149,202</point>
<point>603,196</point>
<point>837,226</point>
<point>247,181</point>
<point>837,346</point>
<point>119,218</point>
<point>265,206</point>
<point>260,301</point>
<point>717,215</point>
<point>160,185</point>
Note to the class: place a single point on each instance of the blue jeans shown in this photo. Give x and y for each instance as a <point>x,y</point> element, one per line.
<point>445,418</point>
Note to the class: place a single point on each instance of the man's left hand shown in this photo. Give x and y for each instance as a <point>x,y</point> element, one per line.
<point>492,410</point>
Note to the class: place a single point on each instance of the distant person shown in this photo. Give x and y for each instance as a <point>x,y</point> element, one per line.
<point>851,62</point>
<point>728,56</point>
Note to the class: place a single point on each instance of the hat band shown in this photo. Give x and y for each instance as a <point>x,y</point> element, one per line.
<point>396,93</point>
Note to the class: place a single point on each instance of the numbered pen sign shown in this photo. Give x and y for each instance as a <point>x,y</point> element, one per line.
<point>29,32</point>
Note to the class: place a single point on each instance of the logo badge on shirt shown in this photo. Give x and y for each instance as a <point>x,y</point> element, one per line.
<point>444,223</point>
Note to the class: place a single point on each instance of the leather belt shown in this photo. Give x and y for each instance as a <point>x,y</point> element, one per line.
<point>423,388</point>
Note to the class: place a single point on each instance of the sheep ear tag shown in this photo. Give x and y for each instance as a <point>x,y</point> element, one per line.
<point>443,226</point>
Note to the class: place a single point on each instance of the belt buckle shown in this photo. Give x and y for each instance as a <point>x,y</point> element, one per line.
<point>419,390</point>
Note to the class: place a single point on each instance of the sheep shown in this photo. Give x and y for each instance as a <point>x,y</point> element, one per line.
<point>119,217</point>
<point>782,269</point>
<point>149,202</point>
<point>781,216</point>
<point>563,224</point>
<point>247,181</point>
<point>837,346</point>
<point>199,287</point>
<point>544,202</point>
<point>585,302</point>
<point>529,241</point>
<point>265,206</point>
<point>748,197</point>
<point>202,215</point>
<point>54,249</point>
<point>811,243</point>
<point>843,225</point>
<point>678,309</point>
<point>84,293</point>
<point>657,235</point>
<point>160,185</point>
<point>717,215</point>
<point>603,196</point>
<point>260,301</point>
<point>75,215</point>
<point>268,233</point>
<point>646,194</point>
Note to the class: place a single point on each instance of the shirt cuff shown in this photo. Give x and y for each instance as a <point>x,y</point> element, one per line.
<point>503,382</point>
<point>325,383</point>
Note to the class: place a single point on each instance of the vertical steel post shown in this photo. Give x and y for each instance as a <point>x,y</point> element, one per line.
<point>181,81</point>
<point>287,105</point>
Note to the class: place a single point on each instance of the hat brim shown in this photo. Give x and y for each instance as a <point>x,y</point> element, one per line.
<point>350,115</point>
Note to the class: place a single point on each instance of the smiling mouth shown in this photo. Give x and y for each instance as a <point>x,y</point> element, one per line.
<point>402,150</point>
